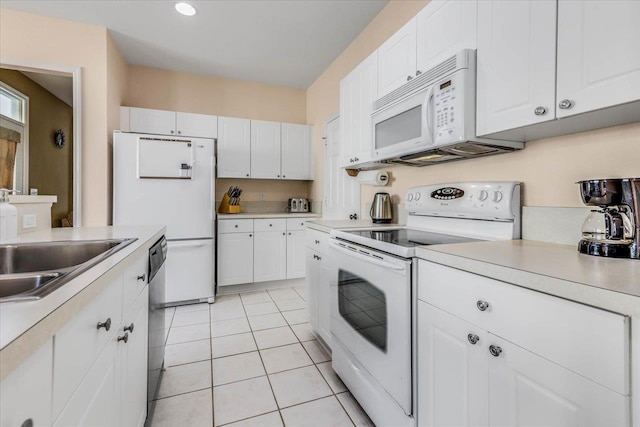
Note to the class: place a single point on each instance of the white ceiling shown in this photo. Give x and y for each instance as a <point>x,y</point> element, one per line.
<point>284,42</point>
<point>60,86</point>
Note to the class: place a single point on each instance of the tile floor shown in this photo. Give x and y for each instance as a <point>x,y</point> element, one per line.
<point>250,360</point>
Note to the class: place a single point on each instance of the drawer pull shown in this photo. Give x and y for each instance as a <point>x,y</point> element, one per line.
<point>236,226</point>
<point>270,225</point>
<point>106,325</point>
<point>482,305</point>
<point>317,242</point>
<point>27,423</point>
<point>143,277</point>
<point>129,328</point>
<point>473,338</point>
<point>284,234</point>
<point>124,338</point>
<point>495,350</point>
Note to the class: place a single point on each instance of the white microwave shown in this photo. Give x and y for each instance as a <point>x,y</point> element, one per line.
<point>432,118</point>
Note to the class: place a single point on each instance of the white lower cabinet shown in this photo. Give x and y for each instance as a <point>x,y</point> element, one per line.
<point>235,258</point>
<point>295,254</point>
<point>468,375</point>
<point>313,282</point>
<point>317,275</point>
<point>269,256</point>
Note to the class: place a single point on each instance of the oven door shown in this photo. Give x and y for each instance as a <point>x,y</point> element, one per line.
<point>371,314</point>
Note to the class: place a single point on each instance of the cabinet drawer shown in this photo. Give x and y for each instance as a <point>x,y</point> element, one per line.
<point>135,279</point>
<point>235,226</point>
<point>589,341</point>
<point>78,344</point>
<point>274,224</point>
<point>294,224</point>
<point>318,241</point>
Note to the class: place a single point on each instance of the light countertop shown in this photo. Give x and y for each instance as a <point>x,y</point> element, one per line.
<point>328,225</point>
<point>608,283</point>
<point>269,215</point>
<point>26,325</point>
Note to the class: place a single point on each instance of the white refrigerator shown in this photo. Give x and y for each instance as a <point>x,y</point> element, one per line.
<point>171,181</point>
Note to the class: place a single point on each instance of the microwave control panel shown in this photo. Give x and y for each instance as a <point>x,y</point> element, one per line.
<point>448,114</point>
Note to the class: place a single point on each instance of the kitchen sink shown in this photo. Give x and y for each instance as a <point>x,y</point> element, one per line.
<point>29,271</point>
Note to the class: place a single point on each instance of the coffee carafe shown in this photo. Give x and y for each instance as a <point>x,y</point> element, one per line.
<point>613,230</point>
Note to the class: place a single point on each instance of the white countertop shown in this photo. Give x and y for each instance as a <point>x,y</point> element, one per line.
<point>52,311</point>
<point>328,225</point>
<point>269,215</point>
<point>560,270</point>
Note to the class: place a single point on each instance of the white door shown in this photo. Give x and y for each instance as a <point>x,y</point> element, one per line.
<point>269,256</point>
<point>341,191</point>
<point>324,299</point>
<point>296,151</point>
<point>598,54</point>
<point>145,120</point>
<point>265,149</point>
<point>516,63</point>
<point>452,370</point>
<point>443,28</point>
<point>527,390</point>
<point>234,148</point>
<point>235,258</point>
<point>313,281</point>
<point>397,59</point>
<point>189,274</point>
<point>295,254</point>
<point>197,125</point>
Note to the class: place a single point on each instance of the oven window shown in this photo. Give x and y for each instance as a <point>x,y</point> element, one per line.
<point>364,307</point>
<point>403,127</point>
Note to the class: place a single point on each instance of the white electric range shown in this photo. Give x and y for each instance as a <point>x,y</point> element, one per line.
<point>372,283</point>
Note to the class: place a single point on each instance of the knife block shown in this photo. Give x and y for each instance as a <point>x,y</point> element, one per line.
<point>226,208</point>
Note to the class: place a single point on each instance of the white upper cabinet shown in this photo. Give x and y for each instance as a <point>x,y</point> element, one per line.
<point>265,149</point>
<point>296,151</point>
<point>516,64</point>
<point>160,122</point>
<point>598,54</point>
<point>443,28</point>
<point>234,148</point>
<point>397,59</point>
<point>196,125</point>
<point>144,120</point>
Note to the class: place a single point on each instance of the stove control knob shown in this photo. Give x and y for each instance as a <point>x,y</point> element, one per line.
<point>417,196</point>
<point>409,197</point>
<point>497,196</point>
<point>482,196</point>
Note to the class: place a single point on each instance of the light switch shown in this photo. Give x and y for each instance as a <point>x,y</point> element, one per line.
<point>29,221</point>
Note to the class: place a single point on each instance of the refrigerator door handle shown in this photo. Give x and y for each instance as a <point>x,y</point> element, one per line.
<point>197,244</point>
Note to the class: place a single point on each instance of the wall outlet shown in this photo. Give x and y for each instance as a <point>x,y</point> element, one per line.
<point>261,197</point>
<point>29,221</point>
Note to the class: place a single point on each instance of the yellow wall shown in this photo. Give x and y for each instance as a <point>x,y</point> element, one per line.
<point>192,93</point>
<point>50,168</point>
<point>41,40</point>
<point>548,168</point>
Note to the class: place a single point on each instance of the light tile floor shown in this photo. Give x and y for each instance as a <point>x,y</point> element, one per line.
<point>250,360</point>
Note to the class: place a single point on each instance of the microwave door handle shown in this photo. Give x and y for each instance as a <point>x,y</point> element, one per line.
<point>372,260</point>
<point>427,112</point>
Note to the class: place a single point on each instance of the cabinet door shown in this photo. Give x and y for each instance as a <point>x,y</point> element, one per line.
<point>234,148</point>
<point>324,300</point>
<point>144,120</point>
<point>295,254</point>
<point>452,371</point>
<point>133,364</point>
<point>197,125</point>
<point>598,54</point>
<point>367,93</point>
<point>348,96</point>
<point>296,151</point>
<point>96,402</point>
<point>313,280</point>
<point>528,390</point>
<point>235,258</point>
<point>516,63</point>
<point>397,59</point>
<point>265,149</point>
<point>443,28</point>
<point>270,256</point>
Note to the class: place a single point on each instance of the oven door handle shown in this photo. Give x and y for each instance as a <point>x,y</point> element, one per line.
<point>370,259</point>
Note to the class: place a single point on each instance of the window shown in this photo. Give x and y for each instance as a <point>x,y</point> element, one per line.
<point>14,139</point>
<point>11,105</point>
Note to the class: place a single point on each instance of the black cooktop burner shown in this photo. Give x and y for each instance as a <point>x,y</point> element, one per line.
<point>410,238</point>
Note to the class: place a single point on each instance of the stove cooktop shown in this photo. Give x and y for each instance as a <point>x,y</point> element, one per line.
<point>410,238</point>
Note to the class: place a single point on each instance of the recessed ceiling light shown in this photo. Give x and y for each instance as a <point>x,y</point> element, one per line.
<point>185,9</point>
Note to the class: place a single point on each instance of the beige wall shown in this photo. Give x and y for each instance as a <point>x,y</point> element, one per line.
<point>548,168</point>
<point>50,167</point>
<point>42,40</point>
<point>192,93</point>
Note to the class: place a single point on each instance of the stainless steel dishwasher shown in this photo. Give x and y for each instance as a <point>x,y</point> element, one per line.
<point>157,257</point>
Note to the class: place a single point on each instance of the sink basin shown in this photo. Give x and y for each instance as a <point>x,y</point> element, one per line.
<point>29,271</point>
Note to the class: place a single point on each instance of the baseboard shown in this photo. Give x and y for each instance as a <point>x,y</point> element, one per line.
<point>260,286</point>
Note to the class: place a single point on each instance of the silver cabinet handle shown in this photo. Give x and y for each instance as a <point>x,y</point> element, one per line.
<point>356,159</point>
<point>289,234</point>
<point>270,225</point>
<point>284,176</point>
<point>540,111</point>
<point>236,226</point>
<point>565,104</point>
<point>144,276</point>
<point>106,324</point>
<point>284,234</point>
<point>317,242</point>
<point>473,338</point>
<point>409,78</point>
<point>250,235</point>
<point>129,328</point>
<point>27,423</point>
<point>482,305</point>
<point>418,73</point>
<point>179,132</point>
<point>247,175</point>
<point>124,338</point>
<point>172,132</point>
<point>278,176</point>
<point>495,350</point>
